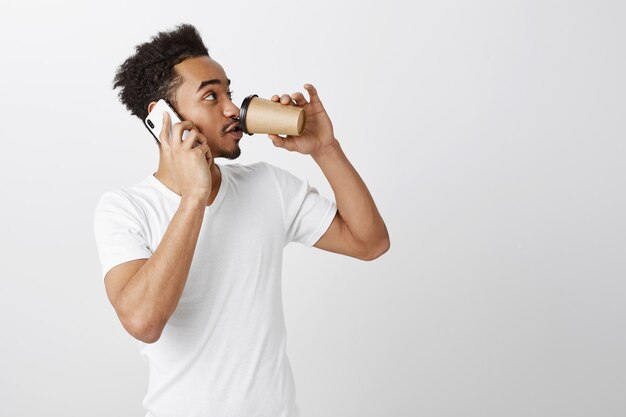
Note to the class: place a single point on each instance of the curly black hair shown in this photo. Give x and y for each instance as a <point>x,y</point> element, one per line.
<point>149,74</point>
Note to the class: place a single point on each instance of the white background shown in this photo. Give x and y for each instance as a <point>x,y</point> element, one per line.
<point>490,134</point>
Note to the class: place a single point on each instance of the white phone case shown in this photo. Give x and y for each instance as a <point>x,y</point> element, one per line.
<point>154,121</point>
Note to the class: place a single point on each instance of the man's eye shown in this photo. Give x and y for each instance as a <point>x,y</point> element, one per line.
<point>214,96</point>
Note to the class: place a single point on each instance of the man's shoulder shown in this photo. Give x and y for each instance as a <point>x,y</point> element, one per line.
<point>125,197</point>
<point>116,200</point>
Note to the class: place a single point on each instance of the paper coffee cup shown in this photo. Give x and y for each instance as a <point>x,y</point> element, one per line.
<point>259,115</point>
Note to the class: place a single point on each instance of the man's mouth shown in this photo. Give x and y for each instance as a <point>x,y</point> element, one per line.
<point>233,127</point>
<point>234,130</point>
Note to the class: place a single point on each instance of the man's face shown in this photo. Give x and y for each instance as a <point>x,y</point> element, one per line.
<point>204,99</point>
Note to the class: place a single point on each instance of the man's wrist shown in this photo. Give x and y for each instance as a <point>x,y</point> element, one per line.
<point>193,202</point>
<point>334,148</point>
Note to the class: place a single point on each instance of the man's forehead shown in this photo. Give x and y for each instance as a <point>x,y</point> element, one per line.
<point>200,71</point>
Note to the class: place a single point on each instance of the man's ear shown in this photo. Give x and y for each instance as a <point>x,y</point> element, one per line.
<point>151,106</point>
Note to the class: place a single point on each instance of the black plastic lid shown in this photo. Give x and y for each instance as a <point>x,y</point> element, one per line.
<point>242,113</point>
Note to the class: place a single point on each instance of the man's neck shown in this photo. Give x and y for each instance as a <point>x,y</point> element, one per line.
<point>163,174</point>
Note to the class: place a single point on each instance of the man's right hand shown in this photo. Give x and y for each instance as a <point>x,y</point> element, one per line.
<point>189,159</point>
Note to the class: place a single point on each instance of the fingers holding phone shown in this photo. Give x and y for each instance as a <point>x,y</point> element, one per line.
<point>190,134</point>
<point>179,132</point>
<point>189,159</point>
<point>185,150</point>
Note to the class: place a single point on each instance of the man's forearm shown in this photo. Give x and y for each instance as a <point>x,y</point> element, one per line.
<point>354,201</point>
<point>151,296</point>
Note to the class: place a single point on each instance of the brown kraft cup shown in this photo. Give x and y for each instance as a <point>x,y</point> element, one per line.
<point>259,115</point>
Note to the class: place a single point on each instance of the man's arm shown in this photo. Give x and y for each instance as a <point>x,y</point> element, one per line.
<point>145,300</point>
<point>357,230</point>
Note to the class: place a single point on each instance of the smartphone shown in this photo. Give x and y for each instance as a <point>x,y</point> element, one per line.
<point>154,121</point>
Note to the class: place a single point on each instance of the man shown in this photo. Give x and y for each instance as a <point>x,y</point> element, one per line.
<point>192,255</point>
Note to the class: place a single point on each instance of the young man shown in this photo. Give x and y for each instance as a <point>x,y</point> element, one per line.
<point>192,255</point>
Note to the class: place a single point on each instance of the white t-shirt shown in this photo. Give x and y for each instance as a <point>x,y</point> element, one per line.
<point>223,351</point>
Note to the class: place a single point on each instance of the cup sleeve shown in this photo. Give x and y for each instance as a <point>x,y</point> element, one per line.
<point>306,214</point>
<point>119,231</point>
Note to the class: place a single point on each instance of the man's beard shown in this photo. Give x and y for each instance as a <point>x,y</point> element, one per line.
<point>231,154</point>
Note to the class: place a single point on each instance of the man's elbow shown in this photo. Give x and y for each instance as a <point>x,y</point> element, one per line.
<point>378,250</point>
<point>144,330</point>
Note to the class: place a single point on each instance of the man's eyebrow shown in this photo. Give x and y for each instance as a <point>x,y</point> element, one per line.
<point>208,82</point>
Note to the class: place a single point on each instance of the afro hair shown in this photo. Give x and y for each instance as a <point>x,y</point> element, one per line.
<point>149,74</point>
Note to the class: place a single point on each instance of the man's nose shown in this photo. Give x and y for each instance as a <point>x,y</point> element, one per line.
<point>231,111</point>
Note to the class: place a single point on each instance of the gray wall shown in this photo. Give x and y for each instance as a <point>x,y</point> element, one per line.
<point>491,135</point>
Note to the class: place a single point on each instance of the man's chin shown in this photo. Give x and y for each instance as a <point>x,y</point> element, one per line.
<point>234,154</point>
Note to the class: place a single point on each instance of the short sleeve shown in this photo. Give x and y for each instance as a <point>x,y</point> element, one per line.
<point>306,214</point>
<point>120,235</point>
